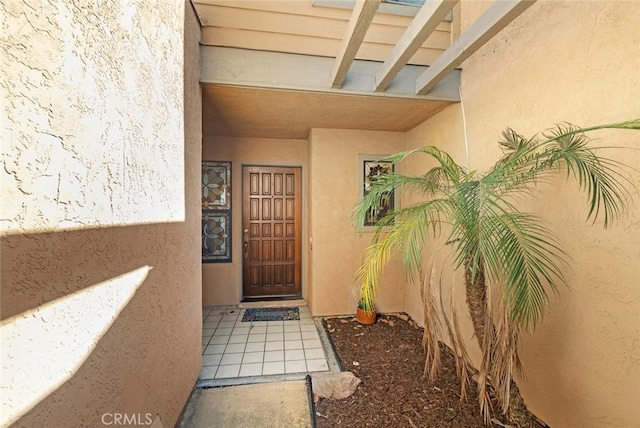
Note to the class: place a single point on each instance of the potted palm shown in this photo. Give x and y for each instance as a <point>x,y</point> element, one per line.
<point>366,310</point>
<point>497,247</point>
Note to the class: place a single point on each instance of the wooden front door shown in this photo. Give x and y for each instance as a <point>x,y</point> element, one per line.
<point>271,231</point>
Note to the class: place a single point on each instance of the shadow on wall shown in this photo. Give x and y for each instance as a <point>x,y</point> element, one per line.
<point>85,316</point>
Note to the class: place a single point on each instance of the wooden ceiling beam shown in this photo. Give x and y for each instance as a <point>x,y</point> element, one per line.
<point>431,14</point>
<point>277,70</point>
<point>498,16</point>
<point>363,13</point>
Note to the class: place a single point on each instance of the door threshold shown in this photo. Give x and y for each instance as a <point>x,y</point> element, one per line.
<point>271,302</point>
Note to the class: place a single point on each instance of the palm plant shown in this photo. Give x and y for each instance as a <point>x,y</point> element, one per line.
<point>366,305</point>
<point>497,247</point>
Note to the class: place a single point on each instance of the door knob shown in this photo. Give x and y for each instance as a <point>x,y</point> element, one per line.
<point>245,239</point>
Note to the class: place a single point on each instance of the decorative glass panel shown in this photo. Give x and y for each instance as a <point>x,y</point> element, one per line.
<point>216,185</point>
<point>216,211</point>
<point>372,170</point>
<point>216,236</point>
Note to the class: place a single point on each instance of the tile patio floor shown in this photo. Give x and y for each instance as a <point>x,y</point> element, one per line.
<point>235,349</point>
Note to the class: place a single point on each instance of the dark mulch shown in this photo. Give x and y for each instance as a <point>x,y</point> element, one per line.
<point>389,359</point>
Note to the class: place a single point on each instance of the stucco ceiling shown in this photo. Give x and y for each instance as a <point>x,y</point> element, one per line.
<point>273,113</point>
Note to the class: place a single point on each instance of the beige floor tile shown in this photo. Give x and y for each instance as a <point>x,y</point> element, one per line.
<point>258,337</point>
<point>273,368</point>
<point>251,369</point>
<point>292,328</point>
<point>215,349</point>
<point>228,371</point>
<point>317,365</point>
<point>223,331</point>
<point>219,340</point>
<point>292,336</point>
<point>314,354</point>
<point>312,343</point>
<point>252,357</point>
<point>273,337</point>
<point>293,344</point>
<point>254,347</point>
<point>310,335</point>
<point>208,372</point>
<point>258,329</point>
<point>293,354</point>
<point>274,346</point>
<point>211,360</point>
<point>295,366</point>
<point>235,348</point>
<point>270,356</point>
<point>228,359</point>
<point>238,338</point>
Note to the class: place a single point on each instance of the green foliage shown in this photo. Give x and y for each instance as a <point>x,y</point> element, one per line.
<point>495,244</point>
<point>516,251</point>
<point>366,305</point>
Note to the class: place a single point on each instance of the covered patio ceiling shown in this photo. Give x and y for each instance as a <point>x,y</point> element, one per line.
<point>262,93</point>
<point>243,111</point>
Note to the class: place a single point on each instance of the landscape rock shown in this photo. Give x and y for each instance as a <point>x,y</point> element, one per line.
<point>334,384</point>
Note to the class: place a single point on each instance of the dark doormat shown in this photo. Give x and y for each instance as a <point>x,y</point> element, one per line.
<point>271,314</point>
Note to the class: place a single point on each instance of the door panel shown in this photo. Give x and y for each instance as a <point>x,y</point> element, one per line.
<point>272,231</point>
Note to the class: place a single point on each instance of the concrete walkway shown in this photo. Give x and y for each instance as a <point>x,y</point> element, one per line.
<point>276,405</point>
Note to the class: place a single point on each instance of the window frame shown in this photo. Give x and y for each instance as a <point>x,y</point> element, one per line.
<point>362,159</point>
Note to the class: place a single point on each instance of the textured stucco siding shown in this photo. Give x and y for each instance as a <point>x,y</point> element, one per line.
<point>100,274</point>
<point>576,62</point>
<point>337,244</point>
<point>93,99</point>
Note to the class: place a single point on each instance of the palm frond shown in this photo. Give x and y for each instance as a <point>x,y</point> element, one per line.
<point>488,237</point>
<point>566,147</point>
<point>499,247</point>
<point>523,258</point>
<point>513,143</point>
<point>375,257</point>
<point>606,187</point>
<point>412,228</point>
<point>566,129</point>
<point>453,171</point>
<point>428,185</point>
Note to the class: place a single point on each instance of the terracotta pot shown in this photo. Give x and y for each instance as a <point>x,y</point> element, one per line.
<point>365,317</point>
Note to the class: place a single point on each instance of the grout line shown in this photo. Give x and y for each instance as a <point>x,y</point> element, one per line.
<point>328,352</point>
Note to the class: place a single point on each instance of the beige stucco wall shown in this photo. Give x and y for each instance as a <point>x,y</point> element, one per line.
<point>337,244</point>
<point>100,274</point>
<point>330,161</point>
<point>576,62</point>
<point>222,282</point>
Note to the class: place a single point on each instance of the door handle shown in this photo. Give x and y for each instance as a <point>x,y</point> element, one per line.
<point>245,239</point>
